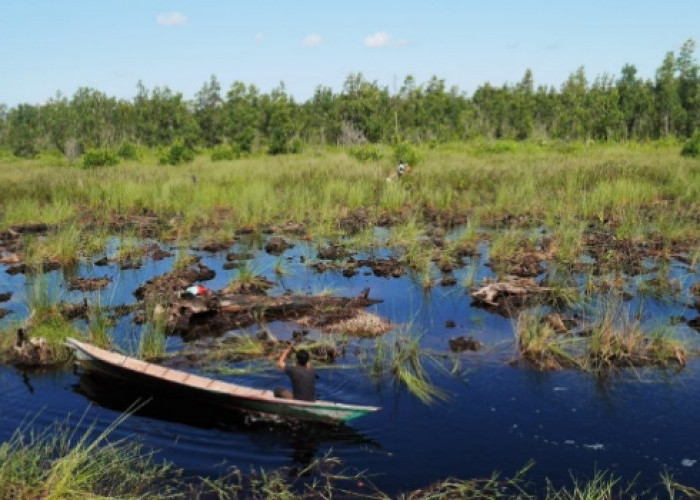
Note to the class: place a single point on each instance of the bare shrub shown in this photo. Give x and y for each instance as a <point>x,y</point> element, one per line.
<point>350,135</point>
<point>72,150</point>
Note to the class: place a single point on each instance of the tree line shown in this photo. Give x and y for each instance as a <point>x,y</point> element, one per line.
<point>609,108</point>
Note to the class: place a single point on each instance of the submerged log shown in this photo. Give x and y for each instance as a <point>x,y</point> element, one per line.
<point>214,314</point>
<point>492,293</point>
<point>506,296</point>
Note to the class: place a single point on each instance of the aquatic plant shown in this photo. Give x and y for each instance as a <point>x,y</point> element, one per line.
<point>618,340</point>
<point>58,462</point>
<point>235,348</point>
<point>46,323</point>
<point>153,339</point>
<point>99,325</point>
<point>603,485</point>
<point>493,487</point>
<point>280,267</point>
<point>541,345</point>
<point>183,259</point>
<point>401,358</point>
<point>62,245</point>
<point>673,487</point>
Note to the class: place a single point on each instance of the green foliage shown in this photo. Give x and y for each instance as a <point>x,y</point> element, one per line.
<point>225,153</point>
<point>504,146</point>
<point>153,340</point>
<point>177,153</point>
<point>691,147</point>
<point>296,146</point>
<point>127,150</point>
<point>366,152</point>
<point>24,129</point>
<point>582,109</point>
<point>403,151</point>
<point>99,158</point>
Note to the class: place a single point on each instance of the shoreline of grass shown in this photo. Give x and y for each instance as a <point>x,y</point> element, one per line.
<point>59,462</point>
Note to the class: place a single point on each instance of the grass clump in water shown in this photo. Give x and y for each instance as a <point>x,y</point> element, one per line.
<point>401,358</point>
<point>617,340</point>
<point>44,332</point>
<point>541,345</point>
<point>153,339</point>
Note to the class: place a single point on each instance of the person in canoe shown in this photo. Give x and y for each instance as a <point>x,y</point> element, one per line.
<point>301,374</point>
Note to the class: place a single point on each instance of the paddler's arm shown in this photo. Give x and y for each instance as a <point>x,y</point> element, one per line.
<point>281,362</point>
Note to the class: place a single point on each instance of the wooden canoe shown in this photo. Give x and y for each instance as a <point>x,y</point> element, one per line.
<point>224,394</point>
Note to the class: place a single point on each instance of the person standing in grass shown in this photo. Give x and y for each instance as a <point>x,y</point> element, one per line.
<point>402,168</point>
<point>301,374</point>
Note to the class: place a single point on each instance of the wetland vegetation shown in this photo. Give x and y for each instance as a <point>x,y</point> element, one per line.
<point>573,233</point>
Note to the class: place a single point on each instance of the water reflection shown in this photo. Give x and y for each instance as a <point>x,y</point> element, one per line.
<point>304,439</point>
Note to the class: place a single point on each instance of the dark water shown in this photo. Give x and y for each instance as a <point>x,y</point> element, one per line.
<point>497,417</point>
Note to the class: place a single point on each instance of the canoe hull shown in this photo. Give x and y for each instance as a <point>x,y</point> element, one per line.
<point>179,384</point>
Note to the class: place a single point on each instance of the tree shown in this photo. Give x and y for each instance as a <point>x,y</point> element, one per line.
<point>277,123</point>
<point>635,103</point>
<point>574,118</point>
<point>602,103</point>
<point>366,107</point>
<point>23,130</point>
<point>3,123</point>
<point>523,107</point>
<point>688,87</point>
<point>162,117</point>
<point>320,119</point>
<point>92,114</point>
<point>208,111</point>
<point>667,101</point>
<point>491,104</point>
<point>242,115</point>
<point>59,123</point>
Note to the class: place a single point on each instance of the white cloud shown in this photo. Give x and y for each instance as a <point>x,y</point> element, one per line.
<point>383,39</point>
<point>259,38</point>
<point>171,19</point>
<point>380,39</point>
<point>313,40</point>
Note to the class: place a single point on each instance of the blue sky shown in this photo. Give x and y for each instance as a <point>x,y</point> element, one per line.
<point>60,45</point>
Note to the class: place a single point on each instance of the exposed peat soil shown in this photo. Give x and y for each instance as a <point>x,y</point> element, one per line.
<point>500,411</point>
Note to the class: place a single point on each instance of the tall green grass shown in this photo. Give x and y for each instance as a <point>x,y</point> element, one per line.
<point>153,339</point>
<point>644,188</point>
<point>58,462</point>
